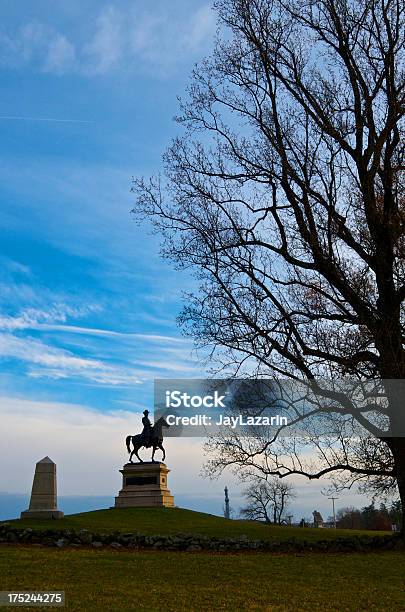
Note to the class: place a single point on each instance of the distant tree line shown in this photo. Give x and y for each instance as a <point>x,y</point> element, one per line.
<point>370,517</point>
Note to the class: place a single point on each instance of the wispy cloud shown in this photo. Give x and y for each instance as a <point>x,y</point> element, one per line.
<point>122,38</point>
<point>169,366</point>
<point>14,267</point>
<point>45,359</point>
<point>52,362</point>
<point>105,50</point>
<point>162,43</point>
<point>47,320</point>
<point>34,318</point>
<point>60,56</point>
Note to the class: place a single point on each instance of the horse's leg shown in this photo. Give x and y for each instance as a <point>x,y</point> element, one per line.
<point>153,453</point>
<point>159,445</point>
<point>130,456</point>
<point>136,449</point>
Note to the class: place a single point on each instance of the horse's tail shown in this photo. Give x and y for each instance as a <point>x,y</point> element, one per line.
<point>127,442</point>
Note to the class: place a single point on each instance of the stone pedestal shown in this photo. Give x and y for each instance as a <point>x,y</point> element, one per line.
<point>143,485</point>
<point>43,503</point>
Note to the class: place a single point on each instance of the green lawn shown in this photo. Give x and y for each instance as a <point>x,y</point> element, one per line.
<point>163,521</point>
<point>170,581</point>
<point>156,581</point>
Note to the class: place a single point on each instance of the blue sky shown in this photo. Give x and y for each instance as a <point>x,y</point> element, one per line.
<point>88,93</point>
<point>87,306</point>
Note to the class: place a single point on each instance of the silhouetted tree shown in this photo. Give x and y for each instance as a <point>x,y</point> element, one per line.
<point>267,500</point>
<point>286,195</point>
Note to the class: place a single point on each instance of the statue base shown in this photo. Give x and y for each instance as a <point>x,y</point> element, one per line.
<point>144,485</point>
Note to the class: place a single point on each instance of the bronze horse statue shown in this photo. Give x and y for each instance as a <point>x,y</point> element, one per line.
<point>156,441</point>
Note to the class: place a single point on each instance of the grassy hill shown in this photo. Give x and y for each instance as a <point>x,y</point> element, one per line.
<point>166,521</point>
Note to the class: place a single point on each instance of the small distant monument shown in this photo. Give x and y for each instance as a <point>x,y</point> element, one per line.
<point>43,503</point>
<point>227,513</point>
<point>144,484</point>
<point>318,520</point>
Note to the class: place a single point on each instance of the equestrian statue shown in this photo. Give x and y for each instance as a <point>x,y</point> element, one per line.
<point>151,437</point>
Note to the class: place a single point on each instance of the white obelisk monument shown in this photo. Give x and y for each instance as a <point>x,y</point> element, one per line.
<point>43,503</point>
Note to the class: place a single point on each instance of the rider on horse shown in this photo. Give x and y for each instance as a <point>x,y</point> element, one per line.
<point>151,436</point>
<point>147,429</point>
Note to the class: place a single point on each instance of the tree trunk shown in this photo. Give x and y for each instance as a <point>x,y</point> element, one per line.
<point>396,393</point>
<point>398,452</point>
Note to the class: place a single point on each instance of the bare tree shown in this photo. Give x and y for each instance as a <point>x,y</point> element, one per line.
<point>267,500</point>
<point>286,195</point>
